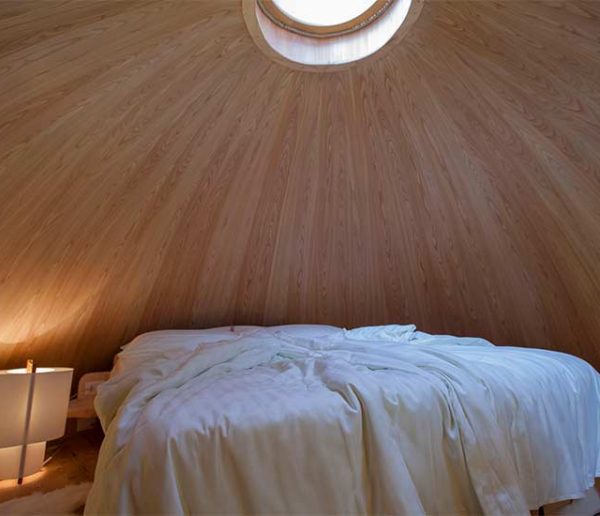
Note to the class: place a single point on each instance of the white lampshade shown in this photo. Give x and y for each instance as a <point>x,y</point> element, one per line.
<point>49,405</point>
<point>10,459</point>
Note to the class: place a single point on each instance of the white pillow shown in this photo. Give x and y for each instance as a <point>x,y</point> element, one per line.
<point>390,332</point>
<point>172,343</point>
<point>305,331</point>
<point>168,344</point>
<point>190,339</point>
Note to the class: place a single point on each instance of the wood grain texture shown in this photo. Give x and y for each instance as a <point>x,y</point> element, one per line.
<point>157,170</point>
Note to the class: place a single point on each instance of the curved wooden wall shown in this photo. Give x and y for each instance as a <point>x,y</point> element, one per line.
<point>158,171</point>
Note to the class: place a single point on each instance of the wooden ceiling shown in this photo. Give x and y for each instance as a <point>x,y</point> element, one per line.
<point>157,170</point>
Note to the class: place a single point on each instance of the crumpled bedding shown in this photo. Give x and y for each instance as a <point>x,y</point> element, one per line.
<point>384,420</point>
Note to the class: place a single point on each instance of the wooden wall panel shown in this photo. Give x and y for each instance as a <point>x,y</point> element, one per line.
<point>157,170</point>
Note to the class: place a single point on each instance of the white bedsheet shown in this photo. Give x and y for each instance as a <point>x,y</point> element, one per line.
<point>267,421</point>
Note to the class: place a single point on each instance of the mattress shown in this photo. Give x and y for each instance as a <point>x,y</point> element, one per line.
<point>319,419</point>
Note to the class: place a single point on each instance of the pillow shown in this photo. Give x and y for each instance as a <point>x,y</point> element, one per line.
<point>390,332</point>
<point>171,343</point>
<point>185,338</point>
<point>425,338</point>
<point>305,331</point>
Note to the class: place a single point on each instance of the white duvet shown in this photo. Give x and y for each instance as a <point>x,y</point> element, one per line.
<point>328,421</point>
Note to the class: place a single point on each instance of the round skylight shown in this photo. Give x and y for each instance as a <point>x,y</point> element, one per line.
<point>323,18</point>
<point>323,13</point>
<point>327,32</point>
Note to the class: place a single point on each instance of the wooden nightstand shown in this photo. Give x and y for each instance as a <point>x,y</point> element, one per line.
<point>82,407</point>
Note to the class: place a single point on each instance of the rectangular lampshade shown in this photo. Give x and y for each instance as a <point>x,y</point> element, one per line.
<point>52,388</point>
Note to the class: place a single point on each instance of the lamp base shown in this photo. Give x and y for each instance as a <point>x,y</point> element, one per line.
<point>10,458</point>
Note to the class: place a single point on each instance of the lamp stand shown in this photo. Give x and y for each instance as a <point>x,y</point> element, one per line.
<point>31,371</point>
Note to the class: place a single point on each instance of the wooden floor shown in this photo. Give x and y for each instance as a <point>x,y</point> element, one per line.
<point>73,462</point>
<point>157,170</point>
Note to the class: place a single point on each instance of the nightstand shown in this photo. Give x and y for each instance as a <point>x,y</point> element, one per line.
<point>82,407</point>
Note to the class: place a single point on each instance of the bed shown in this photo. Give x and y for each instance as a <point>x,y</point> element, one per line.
<point>323,420</point>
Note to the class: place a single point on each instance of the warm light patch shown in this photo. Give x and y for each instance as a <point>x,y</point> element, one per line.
<point>30,479</point>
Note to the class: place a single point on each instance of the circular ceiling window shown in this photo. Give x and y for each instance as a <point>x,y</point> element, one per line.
<point>322,14</point>
<point>327,32</point>
<point>319,18</point>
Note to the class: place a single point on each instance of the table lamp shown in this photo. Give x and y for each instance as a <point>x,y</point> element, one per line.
<point>33,410</point>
